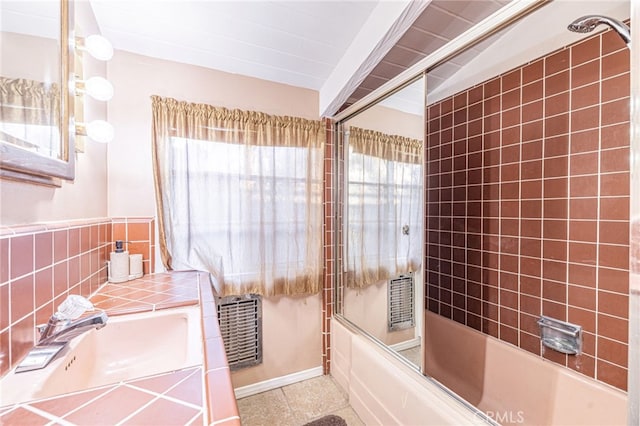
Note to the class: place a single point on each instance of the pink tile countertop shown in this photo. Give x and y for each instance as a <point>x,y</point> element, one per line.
<point>192,396</point>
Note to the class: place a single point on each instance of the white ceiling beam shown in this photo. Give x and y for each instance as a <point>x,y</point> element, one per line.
<point>487,26</point>
<point>387,23</point>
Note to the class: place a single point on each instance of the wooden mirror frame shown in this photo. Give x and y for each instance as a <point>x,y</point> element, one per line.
<point>21,165</point>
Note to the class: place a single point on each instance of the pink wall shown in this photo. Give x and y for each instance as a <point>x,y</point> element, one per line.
<point>136,78</point>
<point>289,346</point>
<point>391,121</point>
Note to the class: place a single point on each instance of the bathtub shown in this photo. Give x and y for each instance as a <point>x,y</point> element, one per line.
<point>385,391</point>
<point>513,386</point>
<point>499,382</point>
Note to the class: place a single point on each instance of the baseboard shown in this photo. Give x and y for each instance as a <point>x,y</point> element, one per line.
<point>277,382</point>
<point>407,344</point>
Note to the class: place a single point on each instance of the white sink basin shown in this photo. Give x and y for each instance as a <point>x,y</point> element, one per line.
<point>128,347</point>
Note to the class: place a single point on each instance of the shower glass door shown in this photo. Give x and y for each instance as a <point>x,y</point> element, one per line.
<point>383,221</point>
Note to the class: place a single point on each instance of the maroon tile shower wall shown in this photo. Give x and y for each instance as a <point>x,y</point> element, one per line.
<point>528,204</point>
<point>329,241</point>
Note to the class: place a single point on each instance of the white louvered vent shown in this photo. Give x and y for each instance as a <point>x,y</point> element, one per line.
<point>240,319</point>
<point>401,303</point>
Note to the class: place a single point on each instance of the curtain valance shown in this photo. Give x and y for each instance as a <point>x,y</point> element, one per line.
<point>385,146</point>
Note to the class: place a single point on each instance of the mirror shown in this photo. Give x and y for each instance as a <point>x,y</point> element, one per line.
<point>35,98</point>
<point>383,221</point>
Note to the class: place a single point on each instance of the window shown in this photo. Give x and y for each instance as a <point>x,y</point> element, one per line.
<point>384,217</point>
<point>240,195</point>
<point>250,203</point>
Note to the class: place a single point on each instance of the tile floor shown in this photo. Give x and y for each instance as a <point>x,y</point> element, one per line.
<point>297,404</point>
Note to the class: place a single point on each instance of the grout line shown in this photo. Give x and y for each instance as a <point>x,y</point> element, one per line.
<point>138,411</point>
<point>42,413</point>
<point>108,389</point>
<point>598,214</point>
<point>193,419</point>
<point>159,396</point>
<point>569,198</point>
<point>520,212</point>
<point>543,157</point>
<point>196,371</point>
<point>500,218</point>
<point>61,422</point>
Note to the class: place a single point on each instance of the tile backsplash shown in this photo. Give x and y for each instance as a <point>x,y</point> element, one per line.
<point>528,204</point>
<point>41,264</point>
<point>139,236</point>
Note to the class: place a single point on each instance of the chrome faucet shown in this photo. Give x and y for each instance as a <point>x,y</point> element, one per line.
<point>63,326</point>
<point>61,331</point>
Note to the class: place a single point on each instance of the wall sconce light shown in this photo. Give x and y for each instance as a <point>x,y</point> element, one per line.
<point>97,46</point>
<point>97,130</point>
<point>96,87</point>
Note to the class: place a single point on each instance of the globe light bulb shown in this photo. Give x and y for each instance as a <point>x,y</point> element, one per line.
<point>97,130</point>
<point>98,88</point>
<point>98,47</point>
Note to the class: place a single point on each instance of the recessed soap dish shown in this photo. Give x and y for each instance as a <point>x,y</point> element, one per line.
<point>560,336</point>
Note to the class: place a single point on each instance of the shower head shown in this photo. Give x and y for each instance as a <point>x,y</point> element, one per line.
<point>588,23</point>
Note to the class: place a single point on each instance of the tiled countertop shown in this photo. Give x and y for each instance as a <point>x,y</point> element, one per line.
<point>193,396</point>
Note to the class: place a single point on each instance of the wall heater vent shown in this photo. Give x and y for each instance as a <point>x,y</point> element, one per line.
<point>240,319</point>
<point>401,305</point>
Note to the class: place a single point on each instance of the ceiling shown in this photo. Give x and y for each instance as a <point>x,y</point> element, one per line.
<point>35,18</point>
<point>300,43</point>
<point>293,42</point>
<point>343,49</point>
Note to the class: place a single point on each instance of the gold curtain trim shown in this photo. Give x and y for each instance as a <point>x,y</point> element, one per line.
<point>237,126</point>
<point>29,101</point>
<point>385,146</point>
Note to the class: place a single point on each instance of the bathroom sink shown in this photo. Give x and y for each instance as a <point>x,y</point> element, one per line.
<point>128,347</point>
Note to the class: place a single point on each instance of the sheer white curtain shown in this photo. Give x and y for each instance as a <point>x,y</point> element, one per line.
<point>241,196</point>
<point>385,210</point>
